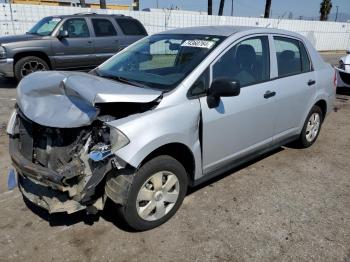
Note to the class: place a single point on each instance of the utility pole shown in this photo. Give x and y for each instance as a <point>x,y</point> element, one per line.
<point>336,14</point>
<point>12,23</point>
<point>231,7</point>
<point>157,3</point>
<point>221,7</point>
<point>210,7</point>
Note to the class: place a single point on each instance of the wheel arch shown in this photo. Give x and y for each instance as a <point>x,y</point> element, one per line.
<point>323,105</point>
<point>180,152</point>
<point>39,54</point>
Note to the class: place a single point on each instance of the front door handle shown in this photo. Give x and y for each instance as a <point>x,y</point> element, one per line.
<point>269,94</point>
<point>311,82</point>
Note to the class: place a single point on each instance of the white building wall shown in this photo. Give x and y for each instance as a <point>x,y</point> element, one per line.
<point>324,35</point>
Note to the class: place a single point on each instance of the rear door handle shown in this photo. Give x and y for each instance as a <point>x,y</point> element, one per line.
<point>269,94</point>
<point>311,82</point>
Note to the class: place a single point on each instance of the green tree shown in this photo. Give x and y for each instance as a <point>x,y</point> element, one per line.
<point>82,3</point>
<point>325,9</point>
<point>267,8</point>
<point>103,4</point>
<point>136,5</point>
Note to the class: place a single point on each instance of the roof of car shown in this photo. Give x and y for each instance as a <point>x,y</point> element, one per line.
<point>224,30</point>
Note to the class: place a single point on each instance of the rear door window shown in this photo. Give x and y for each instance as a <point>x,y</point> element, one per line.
<point>131,26</point>
<point>103,27</point>
<point>291,59</point>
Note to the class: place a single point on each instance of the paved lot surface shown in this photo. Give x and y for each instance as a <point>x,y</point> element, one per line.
<point>292,205</point>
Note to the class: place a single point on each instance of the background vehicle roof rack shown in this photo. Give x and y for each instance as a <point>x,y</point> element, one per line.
<point>86,13</point>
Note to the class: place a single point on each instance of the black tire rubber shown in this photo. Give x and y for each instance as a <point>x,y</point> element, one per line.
<point>302,141</point>
<point>128,212</point>
<point>22,61</point>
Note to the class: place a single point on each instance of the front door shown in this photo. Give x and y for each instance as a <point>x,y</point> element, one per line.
<point>242,124</point>
<point>75,50</point>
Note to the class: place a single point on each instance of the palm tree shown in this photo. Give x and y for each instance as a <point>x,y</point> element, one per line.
<point>325,9</point>
<point>210,7</point>
<point>103,4</point>
<point>267,9</point>
<point>136,5</point>
<point>221,8</point>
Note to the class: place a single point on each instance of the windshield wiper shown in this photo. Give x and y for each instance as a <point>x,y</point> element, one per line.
<point>120,79</point>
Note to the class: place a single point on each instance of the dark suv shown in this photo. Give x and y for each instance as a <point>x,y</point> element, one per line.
<point>67,42</point>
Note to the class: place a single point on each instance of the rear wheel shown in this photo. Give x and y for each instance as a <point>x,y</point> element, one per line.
<point>156,193</point>
<point>28,65</point>
<point>312,127</point>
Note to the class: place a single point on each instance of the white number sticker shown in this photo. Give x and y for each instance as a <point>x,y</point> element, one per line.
<point>199,43</point>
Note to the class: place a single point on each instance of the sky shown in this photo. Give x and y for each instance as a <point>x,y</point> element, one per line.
<point>305,8</point>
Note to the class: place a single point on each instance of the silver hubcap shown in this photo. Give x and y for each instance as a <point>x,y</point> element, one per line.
<point>31,66</point>
<point>313,126</point>
<point>157,196</point>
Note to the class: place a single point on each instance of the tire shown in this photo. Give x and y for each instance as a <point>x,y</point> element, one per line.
<point>307,136</point>
<point>28,65</point>
<point>142,214</point>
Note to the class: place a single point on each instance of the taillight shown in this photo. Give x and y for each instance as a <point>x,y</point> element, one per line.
<point>335,79</point>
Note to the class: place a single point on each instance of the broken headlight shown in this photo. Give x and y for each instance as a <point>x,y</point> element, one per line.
<point>2,52</point>
<point>117,139</point>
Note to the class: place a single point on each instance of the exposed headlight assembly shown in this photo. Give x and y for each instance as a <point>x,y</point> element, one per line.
<point>11,126</point>
<point>101,150</point>
<point>118,139</point>
<point>2,52</point>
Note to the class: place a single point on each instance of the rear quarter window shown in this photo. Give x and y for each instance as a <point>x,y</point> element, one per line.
<point>131,27</point>
<point>292,57</point>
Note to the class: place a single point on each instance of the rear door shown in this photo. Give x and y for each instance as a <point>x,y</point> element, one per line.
<point>295,85</point>
<point>106,39</point>
<point>132,30</point>
<point>75,50</point>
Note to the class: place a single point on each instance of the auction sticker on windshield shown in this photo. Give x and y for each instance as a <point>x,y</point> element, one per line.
<point>199,43</point>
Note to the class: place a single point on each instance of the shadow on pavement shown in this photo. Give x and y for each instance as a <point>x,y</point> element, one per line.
<point>110,211</point>
<point>343,91</point>
<point>8,82</point>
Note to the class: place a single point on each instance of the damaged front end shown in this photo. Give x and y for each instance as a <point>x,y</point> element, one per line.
<point>62,168</point>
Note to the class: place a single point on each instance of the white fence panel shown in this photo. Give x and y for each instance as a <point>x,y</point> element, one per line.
<point>324,35</point>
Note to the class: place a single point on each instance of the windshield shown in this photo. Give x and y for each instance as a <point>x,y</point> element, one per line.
<point>160,61</point>
<point>45,26</point>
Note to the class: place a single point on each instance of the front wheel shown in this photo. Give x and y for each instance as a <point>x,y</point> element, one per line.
<point>311,128</point>
<point>156,193</point>
<point>28,65</point>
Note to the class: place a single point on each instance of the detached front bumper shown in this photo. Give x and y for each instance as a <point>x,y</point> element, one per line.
<point>46,188</point>
<point>6,67</point>
<point>42,186</point>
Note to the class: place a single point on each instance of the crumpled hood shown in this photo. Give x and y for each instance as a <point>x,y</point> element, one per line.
<point>68,99</point>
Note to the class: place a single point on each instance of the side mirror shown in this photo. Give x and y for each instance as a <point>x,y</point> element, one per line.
<point>63,34</point>
<point>222,87</point>
<point>348,51</point>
